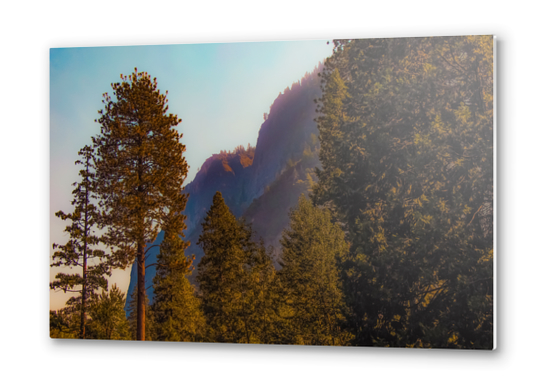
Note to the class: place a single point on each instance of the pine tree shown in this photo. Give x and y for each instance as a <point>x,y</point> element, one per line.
<point>82,250</point>
<point>233,274</point>
<point>176,310</point>
<point>140,170</point>
<point>407,152</point>
<point>260,309</point>
<point>108,319</point>
<point>312,300</point>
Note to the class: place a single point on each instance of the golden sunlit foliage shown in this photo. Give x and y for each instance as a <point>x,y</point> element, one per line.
<point>407,166</point>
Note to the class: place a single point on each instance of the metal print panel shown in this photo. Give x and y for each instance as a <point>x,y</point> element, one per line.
<point>360,213</point>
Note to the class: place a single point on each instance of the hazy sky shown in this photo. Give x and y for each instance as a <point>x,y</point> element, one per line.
<point>220,91</point>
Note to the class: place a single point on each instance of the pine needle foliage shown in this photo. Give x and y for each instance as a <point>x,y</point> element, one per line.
<point>407,166</point>
<point>140,170</point>
<point>108,316</point>
<point>311,300</point>
<point>234,278</point>
<point>176,309</point>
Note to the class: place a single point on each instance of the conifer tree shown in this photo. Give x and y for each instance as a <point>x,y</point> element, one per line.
<point>260,307</point>
<point>82,250</point>
<point>312,303</point>
<point>407,166</point>
<point>232,274</point>
<point>140,170</point>
<point>176,310</point>
<point>108,319</point>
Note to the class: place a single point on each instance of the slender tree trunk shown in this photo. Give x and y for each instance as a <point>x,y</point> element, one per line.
<point>140,334</point>
<point>84,290</point>
<point>141,292</point>
<point>83,298</point>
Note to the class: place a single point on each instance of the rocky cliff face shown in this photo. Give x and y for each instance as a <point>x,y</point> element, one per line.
<point>259,183</point>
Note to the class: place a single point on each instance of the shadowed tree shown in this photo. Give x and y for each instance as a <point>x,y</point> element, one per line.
<point>140,170</point>
<point>82,250</point>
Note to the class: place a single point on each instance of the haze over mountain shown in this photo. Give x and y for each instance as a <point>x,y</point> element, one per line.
<point>260,184</point>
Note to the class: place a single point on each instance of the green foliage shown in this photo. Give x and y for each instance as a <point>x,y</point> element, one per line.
<point>64,324</point>
<point>407,167</point>
<point>105,318</point>
<point>108,316</point>
<point>311,300</point>
<point>234,277</point>
<point>82,249</point>
<point>176,310</point>
<point>140,170</point>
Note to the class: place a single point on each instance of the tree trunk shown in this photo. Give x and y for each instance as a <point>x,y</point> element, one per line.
<point>83,300</point>
<point>140,334</point>
<point>84,291</point>
<point>85,246</point>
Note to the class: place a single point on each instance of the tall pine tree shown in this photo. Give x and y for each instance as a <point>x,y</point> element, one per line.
<point>140,171</point>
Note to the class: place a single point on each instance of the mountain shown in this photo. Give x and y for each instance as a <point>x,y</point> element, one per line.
<point>262,183</point>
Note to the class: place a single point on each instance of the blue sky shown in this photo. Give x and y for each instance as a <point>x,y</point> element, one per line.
<point>220,91</point>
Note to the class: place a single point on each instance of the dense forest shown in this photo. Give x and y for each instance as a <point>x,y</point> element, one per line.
<point>388,220</point>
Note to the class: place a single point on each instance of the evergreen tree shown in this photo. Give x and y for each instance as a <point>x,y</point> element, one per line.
<point>82,250</point>
<point>261,291</point>
<point>407,167</point>
<point>312,303</point>
<point>176,310</point>
<point>140,171</point>
<point>108,319</point>
<point>233,276</point>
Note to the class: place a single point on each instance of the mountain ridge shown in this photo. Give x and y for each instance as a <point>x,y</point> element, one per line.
<point>261,183</point>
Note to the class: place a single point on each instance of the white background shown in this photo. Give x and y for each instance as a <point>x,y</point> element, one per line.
<point>28,30</point>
